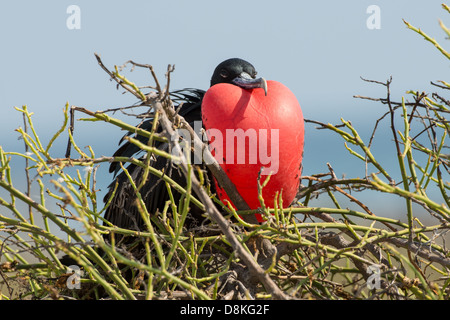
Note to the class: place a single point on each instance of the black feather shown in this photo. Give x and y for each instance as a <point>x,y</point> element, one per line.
<point>122,210</point>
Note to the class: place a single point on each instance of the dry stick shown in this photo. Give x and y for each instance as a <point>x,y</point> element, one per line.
<point>71,127</point>
<point>362,205</point>
<point>224,181</point>
<point>418,99</point>
<point>399,104</point>
<point>352,198</point>
<point>439,86</point>
<point>323,184</point>
<point>215,168</point>
<point>119,81</point>
<point>135,64</point>
<point>429,254</point>
<point>215,215</point>
<point>170,69</point>
<point>210,161</point>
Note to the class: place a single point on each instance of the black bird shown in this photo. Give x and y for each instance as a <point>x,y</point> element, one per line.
<point>122,210</point>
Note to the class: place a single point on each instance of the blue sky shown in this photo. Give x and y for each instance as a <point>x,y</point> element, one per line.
<point>318,49</point>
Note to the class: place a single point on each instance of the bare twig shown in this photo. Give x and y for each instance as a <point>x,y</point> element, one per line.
<point>216,216</point>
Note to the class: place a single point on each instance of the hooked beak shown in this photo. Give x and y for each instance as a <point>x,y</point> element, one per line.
<point>245,81</point>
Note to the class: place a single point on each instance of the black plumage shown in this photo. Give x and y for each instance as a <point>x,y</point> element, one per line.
<point>122,210</point>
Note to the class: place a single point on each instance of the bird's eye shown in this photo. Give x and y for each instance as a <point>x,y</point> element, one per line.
<point>224,73</point>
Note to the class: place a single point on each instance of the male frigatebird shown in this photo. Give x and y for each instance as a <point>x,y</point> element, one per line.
<point>243,106</point>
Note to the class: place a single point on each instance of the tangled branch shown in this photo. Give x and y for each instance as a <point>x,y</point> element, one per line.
<point>302,250</point>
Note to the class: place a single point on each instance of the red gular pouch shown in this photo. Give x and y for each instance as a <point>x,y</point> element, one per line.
<point>249,131</point>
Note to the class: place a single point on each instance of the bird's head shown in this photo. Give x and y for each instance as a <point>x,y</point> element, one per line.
<point>238,72</point>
